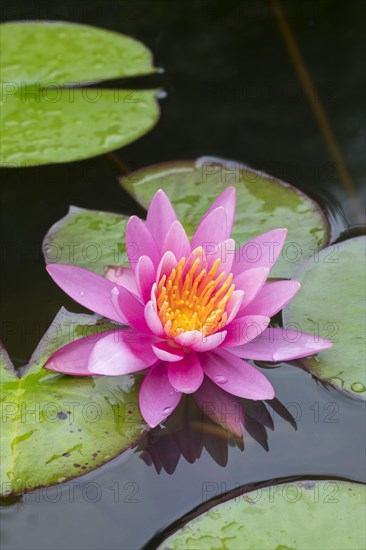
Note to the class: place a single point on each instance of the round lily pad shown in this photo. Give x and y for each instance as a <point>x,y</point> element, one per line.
<point>48,115</point>
<point>60,53</point>
<point>290,516</point>
<point>263,203</point>
<point>56,427</point>
<point>331,305</point>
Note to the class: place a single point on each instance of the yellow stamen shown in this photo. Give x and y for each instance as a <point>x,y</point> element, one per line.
<point>193,300</point>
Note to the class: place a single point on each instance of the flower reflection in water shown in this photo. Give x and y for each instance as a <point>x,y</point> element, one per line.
<point>190,430</point>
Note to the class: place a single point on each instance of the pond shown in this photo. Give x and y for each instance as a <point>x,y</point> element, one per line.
<point>231,91</point>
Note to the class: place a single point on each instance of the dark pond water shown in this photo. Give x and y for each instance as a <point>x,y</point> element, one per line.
<point>233,92</point>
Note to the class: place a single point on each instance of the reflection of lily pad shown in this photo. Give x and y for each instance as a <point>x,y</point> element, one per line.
<point>263,203</point>
<point>290,516</point>
<point>46,115</point>
<point>331,305</point>
<point>56,427</point>
<point>88,239</point>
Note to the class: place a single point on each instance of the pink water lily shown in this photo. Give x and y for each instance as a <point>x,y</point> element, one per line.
<point>193,310</point>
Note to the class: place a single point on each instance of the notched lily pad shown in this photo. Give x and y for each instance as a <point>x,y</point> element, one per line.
<point>47,114</point>
<point>56,427</point>
<point>263,203</point>
<point>291,516</point>
<point>331,305</point>
<point>88,239</point>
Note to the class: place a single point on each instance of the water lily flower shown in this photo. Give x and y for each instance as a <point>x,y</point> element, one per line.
<point>195,310</point>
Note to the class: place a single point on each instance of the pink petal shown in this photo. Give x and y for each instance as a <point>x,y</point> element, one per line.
<point>262,251</point>
<point>272,297</point>
<point>166,264</point>
<point>186,376</point>
<point>122,352</point>
<point>157,397</point>
<point>122,276</point>
<point>87,288</point>
<point>131,308</point>
<point>154,292</point>
<point>250,281</point>
<point>207,343</point>
<point>145,277</point>
<point>197,253</point>
<point>212,229</point>
<point>152,320</point>
<point>236,376</point>
<point>224,251</point>
<point>244,329</point>
<point>177,241</point>
<point>278,344</point>
<point>222,407</point>
<point>189,338</point>
<point>168,353</point>
<point>140,242</point>
<point>74,357</point>
<point>160,216</point>
<point>227,200</point>
<point>234,305</point>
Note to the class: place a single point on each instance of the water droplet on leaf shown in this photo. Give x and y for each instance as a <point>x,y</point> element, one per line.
<point>357,387</point>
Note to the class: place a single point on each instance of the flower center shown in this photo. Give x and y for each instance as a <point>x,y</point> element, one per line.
<point>193,299</point>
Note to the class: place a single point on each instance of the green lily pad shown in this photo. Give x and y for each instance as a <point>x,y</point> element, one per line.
<point>331,305</point>
<point>263,203</point>
<point>290,516</point>
<point>47,116</point>
<point>60,53</point>
<point>56,427</point>
<point>88,239</point>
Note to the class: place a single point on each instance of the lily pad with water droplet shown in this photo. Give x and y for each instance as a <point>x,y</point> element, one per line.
<point>56,427</point>
<point>48,115</point>
<point>263,203</point>
<point>88,239</point>
<point>291,516</point>
<point>331,305</point>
